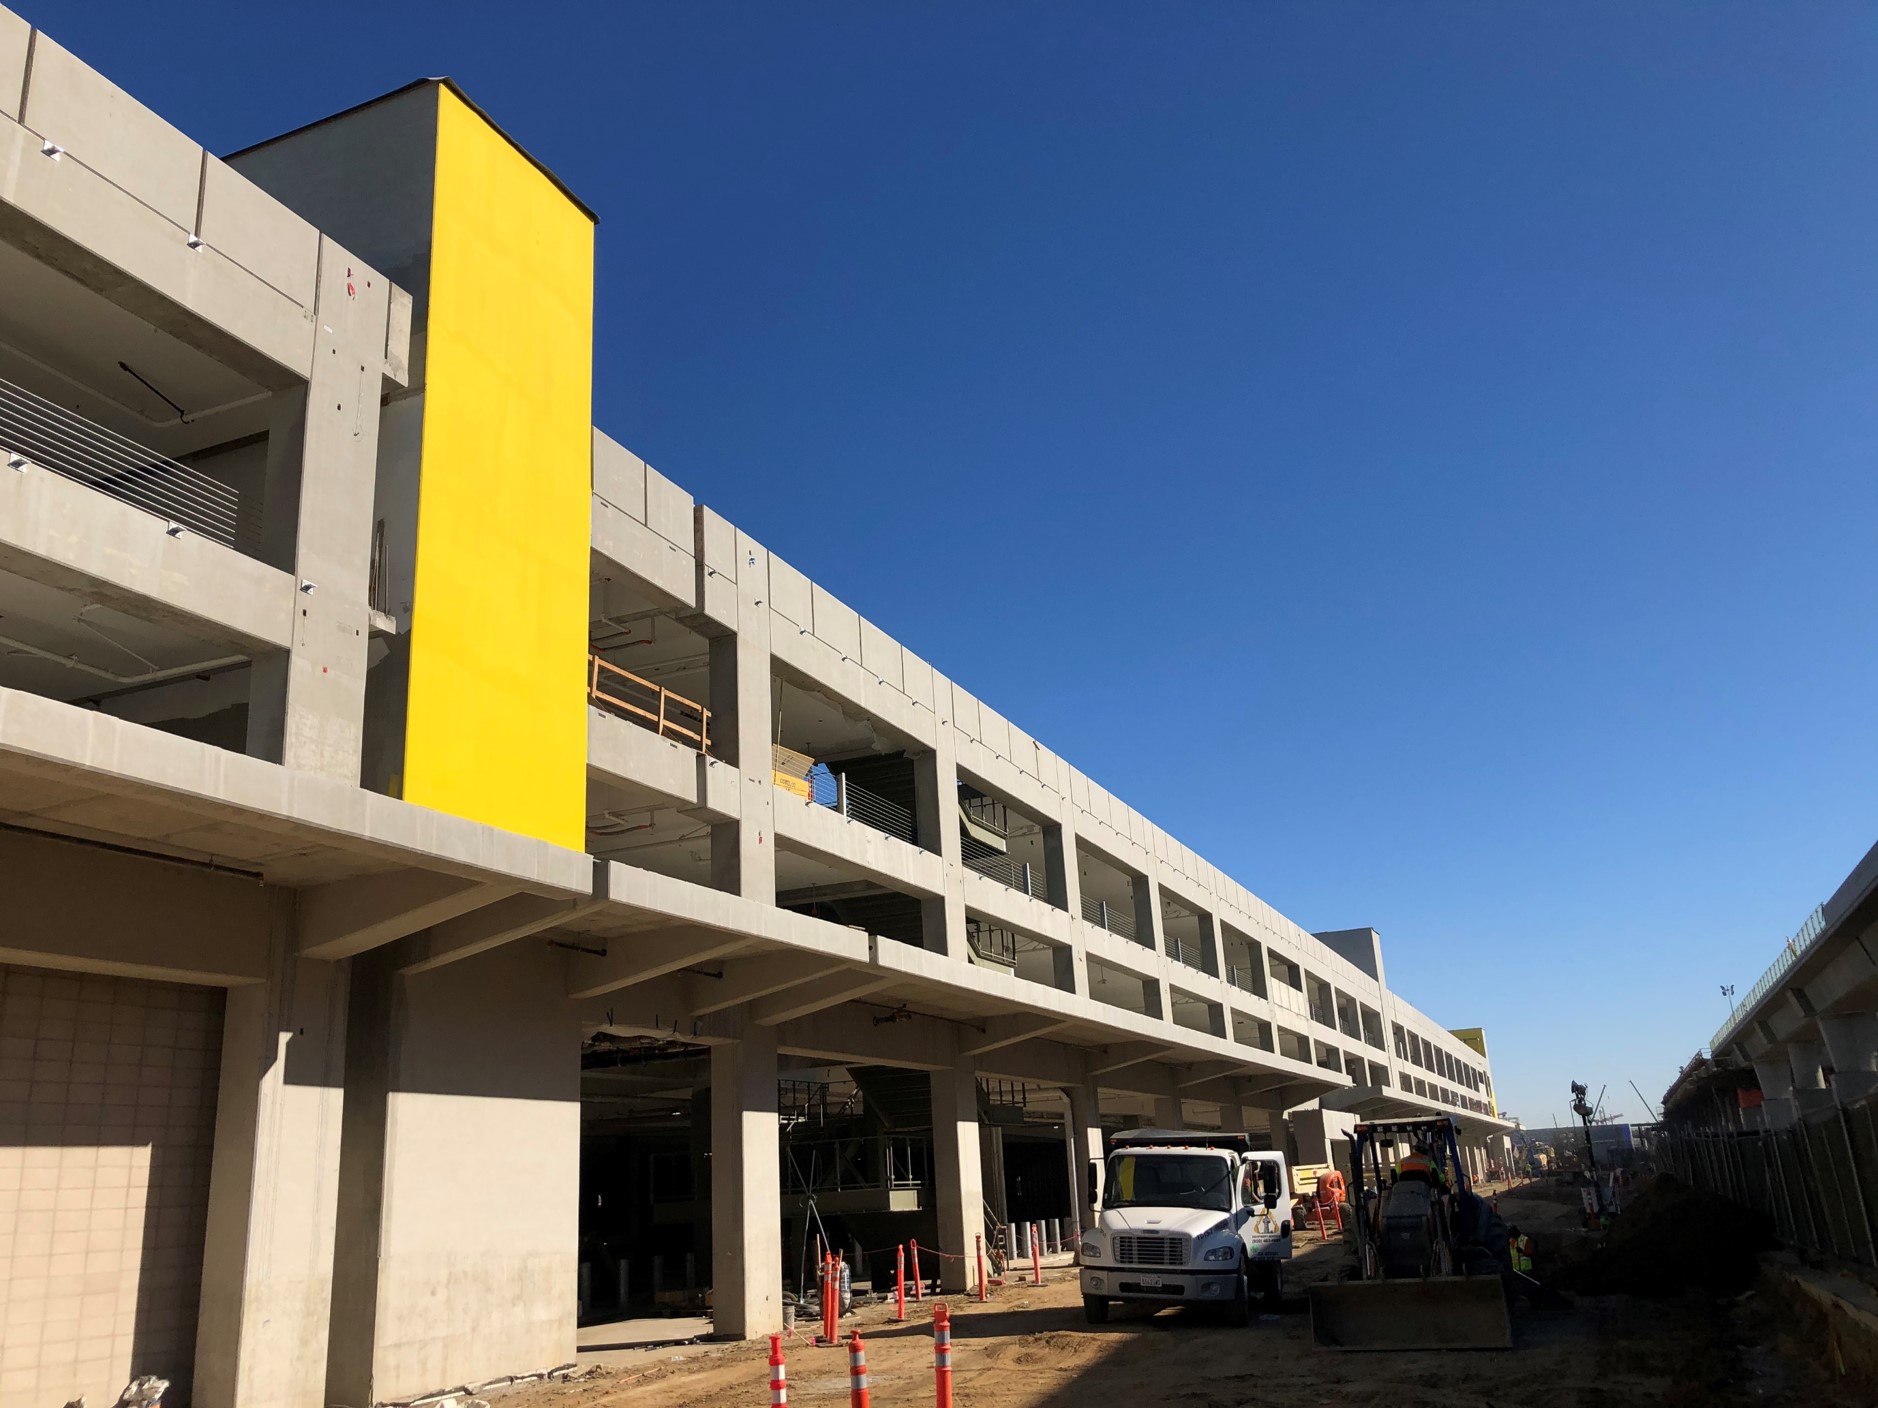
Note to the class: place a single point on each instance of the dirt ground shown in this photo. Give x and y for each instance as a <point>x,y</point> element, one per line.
<point>1030,1348</point>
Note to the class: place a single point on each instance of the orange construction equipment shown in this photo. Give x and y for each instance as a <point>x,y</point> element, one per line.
<point>831,1302</point>
<point>984,1286</point>
<point>899,1283</point>
<point>1036,1258</point>
<point>914,1244</point>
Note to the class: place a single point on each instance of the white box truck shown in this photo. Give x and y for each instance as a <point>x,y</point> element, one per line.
<point>1187,1218</point>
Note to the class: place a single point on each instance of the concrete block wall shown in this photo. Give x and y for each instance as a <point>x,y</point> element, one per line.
<point>107,1114</point>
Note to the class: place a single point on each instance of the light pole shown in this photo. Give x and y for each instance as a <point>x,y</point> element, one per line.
<point>1728,996</point>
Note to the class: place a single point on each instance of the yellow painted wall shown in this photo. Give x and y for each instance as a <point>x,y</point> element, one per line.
<point>497,723</point>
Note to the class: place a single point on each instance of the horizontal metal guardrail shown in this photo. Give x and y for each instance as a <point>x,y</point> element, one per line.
<point>1791,953</point>
<point>41,433</point>
<point>833,790</point>
<point>1099,914</point>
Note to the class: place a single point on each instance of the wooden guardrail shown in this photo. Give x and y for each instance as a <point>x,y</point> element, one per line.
<point>667,714</point>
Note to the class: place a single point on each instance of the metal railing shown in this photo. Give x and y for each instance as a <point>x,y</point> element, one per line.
<point>35,432</point>
<point>649,705</point>
<point>834,791</point>
<point>866,1162</point>
<point>1019,875</point>
<point>1098,913</point>
<point>1791,953</point>
<point>1244,978</point>
<point>994,945</point>
<point>1182,952</point>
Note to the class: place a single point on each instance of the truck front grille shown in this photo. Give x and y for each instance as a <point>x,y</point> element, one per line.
<point>1150,1250</point>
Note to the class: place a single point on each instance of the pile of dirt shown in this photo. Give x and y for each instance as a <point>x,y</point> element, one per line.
<point>1672,1238</point>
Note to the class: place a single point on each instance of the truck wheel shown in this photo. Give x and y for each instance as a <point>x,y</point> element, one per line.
<point>1272,1284</point>
<point>1239,1313</point>
<point>1095,1309</point>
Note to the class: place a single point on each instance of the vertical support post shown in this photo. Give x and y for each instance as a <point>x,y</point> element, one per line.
<point>899,1283</point>
<point>841,793</point>
<point>958,1169</point>
<point>1036,1258</point>
<point>936,813</point>
<point>743,852</point>
<point>913,1249</point>
<point>746,1209</point>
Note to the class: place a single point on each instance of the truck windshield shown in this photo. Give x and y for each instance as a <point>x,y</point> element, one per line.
<point>1155,1180</point>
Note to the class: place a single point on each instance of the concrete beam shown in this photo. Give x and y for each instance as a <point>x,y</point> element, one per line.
<point>347,917</point>
<point>1128,1053</point>
<point>505,921</point>
<point>749,979</point>
<point>1009,1031</point>
<point>1207,1071</point>
<point>639,957</point>
<point>802,1000</point>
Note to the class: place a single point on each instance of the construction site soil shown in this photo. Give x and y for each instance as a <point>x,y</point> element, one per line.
<point>1682,1344</point>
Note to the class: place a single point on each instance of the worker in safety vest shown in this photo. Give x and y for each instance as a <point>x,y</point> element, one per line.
<point>1519,1248</point>
<point>1418,1166</point>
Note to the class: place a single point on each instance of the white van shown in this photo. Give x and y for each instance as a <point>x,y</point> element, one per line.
<point>1187,1219</point>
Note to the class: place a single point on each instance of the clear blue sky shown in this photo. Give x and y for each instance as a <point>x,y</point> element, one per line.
<point>1421,455</point>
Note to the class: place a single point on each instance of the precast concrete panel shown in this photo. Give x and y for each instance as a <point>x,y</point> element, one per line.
<point>260,234</point>
<point>15,39</point>
<point>619,476</point>
<point>668,510</point>
<point>880,654</point>
<point>836,625</point>
<point>789,593</point>
<point>98,123</point>
<point>497,723</point>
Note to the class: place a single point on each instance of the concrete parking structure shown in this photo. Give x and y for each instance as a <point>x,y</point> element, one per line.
<point>451,880</point>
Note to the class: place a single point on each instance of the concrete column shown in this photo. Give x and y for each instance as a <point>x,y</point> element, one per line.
<point>936,808</point>
<point>1167,1112</point>
<point>1811,1090</point>
<point>1060,868</point>
<point>1776,1078</point>
<point>1852,1046</point>
<point>1084,1131</point>
<point>457,1257</point>
<point>274,1187</point>
<point>746,1190</point>
<point>1147,900</point>
<point>743,852</point>
<point>1209,944</point>
<point>306,707</point>
<point>958,1173</point>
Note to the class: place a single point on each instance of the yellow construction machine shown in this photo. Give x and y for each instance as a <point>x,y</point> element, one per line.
<point>1431,1269</point>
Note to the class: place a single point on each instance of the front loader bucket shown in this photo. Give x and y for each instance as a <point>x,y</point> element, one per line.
<point>1443,1312</point>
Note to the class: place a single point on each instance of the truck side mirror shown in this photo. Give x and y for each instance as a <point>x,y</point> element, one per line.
<point>1094,1175</point>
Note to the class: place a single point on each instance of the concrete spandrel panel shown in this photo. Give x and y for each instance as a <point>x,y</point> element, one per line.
<point>789,593</point>
<point>993,731</point>
<point>619,476</point>
<point>881,654</point>
<point>835,623</point>
<point>248,225</point>
<point>668,510</point>
<point>92,119</point>
<point>916,678</point>
<point>964,711</point>
<point>1078,790</point>
<point>719,542</point>
<point>15,35</point>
